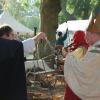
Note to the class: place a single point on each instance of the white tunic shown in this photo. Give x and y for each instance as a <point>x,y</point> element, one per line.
<point>29,45</point>
<point>83,76</point>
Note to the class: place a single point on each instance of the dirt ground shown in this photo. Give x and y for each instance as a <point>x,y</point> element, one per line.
<point>54,92</point>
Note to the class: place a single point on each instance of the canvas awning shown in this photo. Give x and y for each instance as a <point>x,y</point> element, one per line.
<point>73,25</point>
<point>6,18</point>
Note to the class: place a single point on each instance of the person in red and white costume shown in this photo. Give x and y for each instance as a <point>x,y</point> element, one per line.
<point>82,75</point>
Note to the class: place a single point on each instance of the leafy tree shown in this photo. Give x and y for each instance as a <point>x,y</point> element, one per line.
<point>37,3</point>
<point>1,6</point>
<point>78,9</point>
<point>25,12</point>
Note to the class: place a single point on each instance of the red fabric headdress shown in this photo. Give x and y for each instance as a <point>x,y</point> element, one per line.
<point>79,39</point>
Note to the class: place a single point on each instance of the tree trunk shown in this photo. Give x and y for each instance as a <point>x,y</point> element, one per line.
<point>49,17</point>
<point>49,22</point>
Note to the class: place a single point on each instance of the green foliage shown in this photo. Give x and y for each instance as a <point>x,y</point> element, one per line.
<point>31,22</point>
<point>37,3</point>
<point>70,6</point>
<point>1,9</point>
<point>25,11</point>
<point>1,6</point>
<point>81,9</point>
<point>61,17</point>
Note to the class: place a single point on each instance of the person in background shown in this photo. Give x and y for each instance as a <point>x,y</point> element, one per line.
<point>12,74</point>
<point>82,75</point>
<point>78,42</point>
<point>61,38</point>
<point>79,48</point>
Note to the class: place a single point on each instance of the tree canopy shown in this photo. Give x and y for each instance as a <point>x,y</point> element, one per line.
<point>25,11</point>
<point>78,9</point>
<point>28,11</point>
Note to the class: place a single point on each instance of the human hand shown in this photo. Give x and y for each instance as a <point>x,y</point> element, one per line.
<point>39,36</point>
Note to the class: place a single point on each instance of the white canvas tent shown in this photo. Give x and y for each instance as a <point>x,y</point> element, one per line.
<point>6,18</point>
<point>73,25</point>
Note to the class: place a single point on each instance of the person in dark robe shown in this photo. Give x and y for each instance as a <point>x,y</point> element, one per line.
<point>12,68</point>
